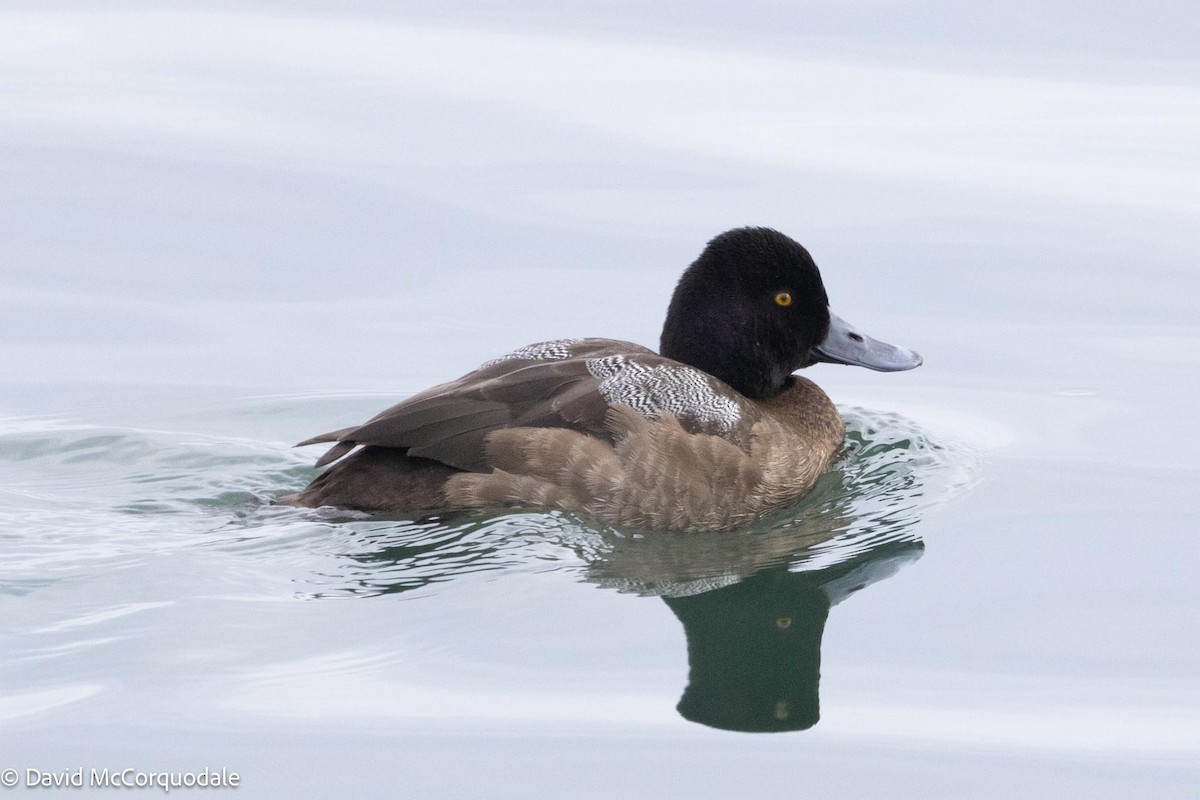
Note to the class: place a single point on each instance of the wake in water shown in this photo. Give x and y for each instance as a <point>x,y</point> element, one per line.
<point>77,498</point>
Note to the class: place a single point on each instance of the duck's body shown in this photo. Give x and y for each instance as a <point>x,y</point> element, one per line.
<point>710,434</point>
<point>593,425</point>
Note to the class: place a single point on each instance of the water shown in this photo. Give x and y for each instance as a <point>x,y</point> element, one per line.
<point>231,229</point>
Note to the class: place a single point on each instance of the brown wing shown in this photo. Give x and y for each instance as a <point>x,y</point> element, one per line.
<point>549,385</point>
<point>536,386</point>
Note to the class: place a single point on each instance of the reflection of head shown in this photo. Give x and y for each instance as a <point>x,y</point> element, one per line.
<point>754,648</point>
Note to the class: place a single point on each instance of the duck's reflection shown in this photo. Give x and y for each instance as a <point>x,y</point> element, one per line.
<point>753,604</point>
<point>754,648</point>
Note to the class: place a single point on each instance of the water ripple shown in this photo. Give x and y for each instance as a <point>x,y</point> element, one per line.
<point>78,498</point>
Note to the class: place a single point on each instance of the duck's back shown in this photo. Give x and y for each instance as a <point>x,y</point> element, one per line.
<point>566,383</point>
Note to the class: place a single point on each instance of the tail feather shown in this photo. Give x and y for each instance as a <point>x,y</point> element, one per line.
<point>332,436</point>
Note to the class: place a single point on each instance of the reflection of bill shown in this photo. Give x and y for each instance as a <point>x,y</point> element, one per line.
<point>754,648</point>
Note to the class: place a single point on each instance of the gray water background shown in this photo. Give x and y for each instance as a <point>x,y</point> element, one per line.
<point>228,227</point>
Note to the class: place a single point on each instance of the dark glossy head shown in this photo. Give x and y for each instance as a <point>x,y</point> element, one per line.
<point>752,309</point>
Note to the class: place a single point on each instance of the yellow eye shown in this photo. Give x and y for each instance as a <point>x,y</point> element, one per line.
<point>783,299</point>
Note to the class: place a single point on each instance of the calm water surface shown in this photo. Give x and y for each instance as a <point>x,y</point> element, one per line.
<point>227,231</point>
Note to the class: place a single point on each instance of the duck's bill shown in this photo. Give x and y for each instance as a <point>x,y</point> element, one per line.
<point>845,344</point>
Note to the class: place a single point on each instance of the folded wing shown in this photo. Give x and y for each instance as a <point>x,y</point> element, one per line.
<point>564,384</point>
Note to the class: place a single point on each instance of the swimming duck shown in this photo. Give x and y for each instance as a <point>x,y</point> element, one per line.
<point>709,433</point>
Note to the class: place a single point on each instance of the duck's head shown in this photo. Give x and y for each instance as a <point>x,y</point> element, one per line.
<point>752,309</point>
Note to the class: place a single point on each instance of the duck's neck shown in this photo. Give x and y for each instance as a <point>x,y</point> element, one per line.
<point>719,344</point>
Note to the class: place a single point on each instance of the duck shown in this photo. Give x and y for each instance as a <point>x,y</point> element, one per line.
<point>710,433</point>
